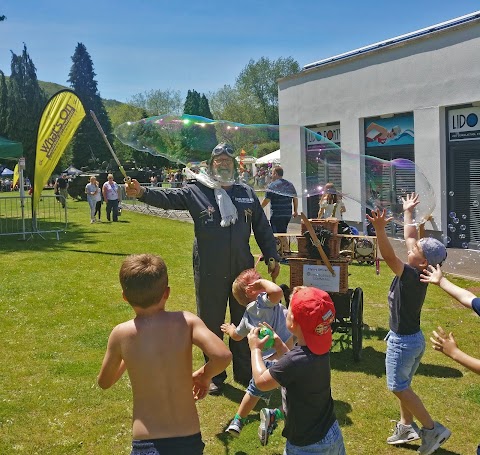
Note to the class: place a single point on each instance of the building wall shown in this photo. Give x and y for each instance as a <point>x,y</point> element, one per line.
<point>423,75</point>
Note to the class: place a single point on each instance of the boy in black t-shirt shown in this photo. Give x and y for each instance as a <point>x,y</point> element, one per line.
<point>405,340</point>
<point>304,374</point>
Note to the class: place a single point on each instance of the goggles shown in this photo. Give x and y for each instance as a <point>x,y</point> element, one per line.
<point>223,149</point>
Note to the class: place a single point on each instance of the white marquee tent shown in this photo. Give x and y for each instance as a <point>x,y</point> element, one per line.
<point>273,157</point>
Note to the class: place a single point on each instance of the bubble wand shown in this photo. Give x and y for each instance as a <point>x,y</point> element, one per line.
<point>127,179</point>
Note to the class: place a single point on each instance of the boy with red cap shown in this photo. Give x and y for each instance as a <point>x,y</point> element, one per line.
<point>304,374</point>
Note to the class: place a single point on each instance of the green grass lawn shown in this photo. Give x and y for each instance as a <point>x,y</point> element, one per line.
<point>60,299</point>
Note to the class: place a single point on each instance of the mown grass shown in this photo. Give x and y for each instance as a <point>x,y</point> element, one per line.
<point>60,299</point>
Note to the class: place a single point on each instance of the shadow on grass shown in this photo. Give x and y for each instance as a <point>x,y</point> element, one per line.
<point>75,233</point>
<point>373,362</point>
<point>414,447</point>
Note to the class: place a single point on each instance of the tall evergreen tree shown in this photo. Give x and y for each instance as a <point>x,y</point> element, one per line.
<point>87,137</point>
<point>204,108</point>
<point>198,141</point>
<point>26,101</point>
<point>192,103</point>
<point>3,104</point>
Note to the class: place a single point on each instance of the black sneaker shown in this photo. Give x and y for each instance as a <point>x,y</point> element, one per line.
<point>215,389</point>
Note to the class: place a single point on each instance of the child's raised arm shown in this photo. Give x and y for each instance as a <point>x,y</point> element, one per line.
<point>379,221</point>
<point>274,291</point>
<point>410,233</point>
<point>435,276</point>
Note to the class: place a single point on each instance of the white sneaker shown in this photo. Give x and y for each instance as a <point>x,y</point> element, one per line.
<point>403,433</point>
<point>433,439</point>
<point>92,221</point>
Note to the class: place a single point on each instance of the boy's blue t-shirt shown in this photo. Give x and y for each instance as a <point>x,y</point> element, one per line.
<point>476,305</point>
<point>262,310</point>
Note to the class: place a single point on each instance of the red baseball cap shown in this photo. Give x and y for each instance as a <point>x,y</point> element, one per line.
<point>314,311</point>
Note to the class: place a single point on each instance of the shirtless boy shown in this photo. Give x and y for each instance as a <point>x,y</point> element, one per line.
<point>156,350</point>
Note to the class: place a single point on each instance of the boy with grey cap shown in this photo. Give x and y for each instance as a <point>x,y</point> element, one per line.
<point>405,340</point>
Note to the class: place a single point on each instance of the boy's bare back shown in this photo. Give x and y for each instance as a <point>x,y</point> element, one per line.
<point>157,351</point>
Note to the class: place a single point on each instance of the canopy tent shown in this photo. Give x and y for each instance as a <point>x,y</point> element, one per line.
<point>6,172</point>
<point>10,150</point>
<point>273,157</point>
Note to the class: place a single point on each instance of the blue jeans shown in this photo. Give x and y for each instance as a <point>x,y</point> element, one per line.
<point>404,353</point>
<point>331,444</point>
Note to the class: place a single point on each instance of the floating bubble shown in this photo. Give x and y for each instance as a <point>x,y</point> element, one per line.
<point>475,204</point>
<point>189,140</point>
<point>456,220</point>
<point>461,236</point>
<point>452,215</point>
<point>464,245</point>
<point>452,228</point>
<point>451,193</point>
<point>449,239</point>
<point>463,227</point>
<point>464,217</point>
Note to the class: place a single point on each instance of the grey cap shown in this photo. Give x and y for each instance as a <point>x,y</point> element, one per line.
<point>433,250</point>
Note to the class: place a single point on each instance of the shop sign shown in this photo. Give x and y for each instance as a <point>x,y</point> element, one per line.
<point>464,124</point>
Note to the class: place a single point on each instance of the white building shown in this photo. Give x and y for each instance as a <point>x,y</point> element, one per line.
<point>428,82</point>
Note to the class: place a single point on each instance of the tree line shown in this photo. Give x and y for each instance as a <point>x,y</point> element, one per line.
<point>252,100</point>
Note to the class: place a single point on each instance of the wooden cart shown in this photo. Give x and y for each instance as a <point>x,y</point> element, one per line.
<point>329,273</point>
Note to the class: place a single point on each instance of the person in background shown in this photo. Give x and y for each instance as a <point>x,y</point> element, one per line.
<point>93,192</point>
<point>224,214</point>
<point>155,348</point>
<point>331,204</point>
<point>405,340</point>
<point>111,195</point>
<point>281,195</point>
<point>60,188</point>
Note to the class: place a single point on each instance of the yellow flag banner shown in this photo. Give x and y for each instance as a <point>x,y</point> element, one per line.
<point>15,176</point>
<point>60,119</point>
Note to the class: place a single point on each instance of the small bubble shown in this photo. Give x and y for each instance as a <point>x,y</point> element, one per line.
<point>452,215</point>
<point>451,193</point>
<point>450,226</point>
<point>461,236</point>
<point>448,239</point>
<point>463,227</point>
<point>453,229</point>
<point>464,217</point>
<point>475,204</point>
<point>464,245</point>
<point>456,220</point>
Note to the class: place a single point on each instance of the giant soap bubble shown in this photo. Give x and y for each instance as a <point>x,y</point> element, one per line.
<point>309,159</point>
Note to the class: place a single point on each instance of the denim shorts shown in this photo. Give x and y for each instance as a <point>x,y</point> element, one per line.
<point>404,353</point>
<point>252,388</point>
<point>331,444</point>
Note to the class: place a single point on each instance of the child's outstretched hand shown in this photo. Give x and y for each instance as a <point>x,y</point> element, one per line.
<point>410,202</point>
<point>443,342</point>
<point>229,329</point>
<point>379,219</point>
<point>432,275</point>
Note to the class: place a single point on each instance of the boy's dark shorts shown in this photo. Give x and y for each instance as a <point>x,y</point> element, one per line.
<point>185,445</point>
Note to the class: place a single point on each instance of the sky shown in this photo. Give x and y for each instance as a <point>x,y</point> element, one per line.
<point>138,46</point>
